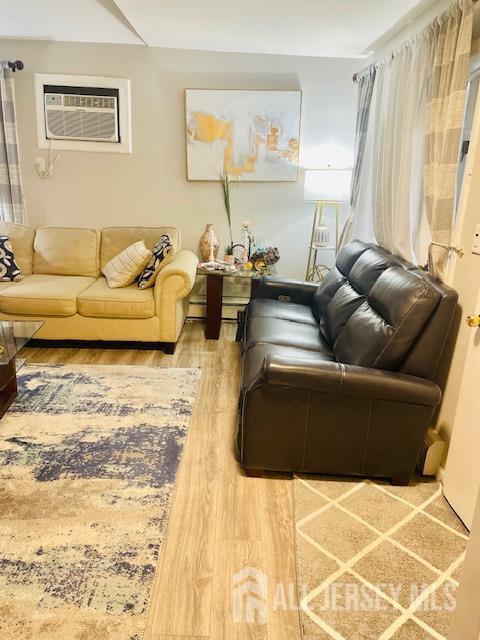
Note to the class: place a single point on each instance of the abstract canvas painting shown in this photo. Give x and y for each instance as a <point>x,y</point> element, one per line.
<point>252,135</point>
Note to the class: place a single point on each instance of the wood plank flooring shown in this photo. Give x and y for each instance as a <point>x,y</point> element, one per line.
<point>221,521</point>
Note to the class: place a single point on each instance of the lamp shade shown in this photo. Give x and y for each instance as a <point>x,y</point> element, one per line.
<point>331,185</point>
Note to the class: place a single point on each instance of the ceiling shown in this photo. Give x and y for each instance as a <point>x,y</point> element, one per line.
<point>343,28</point>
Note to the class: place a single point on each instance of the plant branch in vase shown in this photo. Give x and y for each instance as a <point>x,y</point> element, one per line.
<point>226,185</point>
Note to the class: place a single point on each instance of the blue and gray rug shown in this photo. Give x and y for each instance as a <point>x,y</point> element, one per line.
<point>88,461</point>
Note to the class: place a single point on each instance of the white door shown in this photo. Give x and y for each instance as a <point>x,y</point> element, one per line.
<point>462,471</point>
<point>460,411</point>
<point>466,622</point>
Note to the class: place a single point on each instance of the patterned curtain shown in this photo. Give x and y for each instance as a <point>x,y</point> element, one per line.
<point>450,43</point>
<point>12,206</point>
<point>366,82</point>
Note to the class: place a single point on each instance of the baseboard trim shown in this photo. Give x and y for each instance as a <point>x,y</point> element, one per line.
<point>101,344</point>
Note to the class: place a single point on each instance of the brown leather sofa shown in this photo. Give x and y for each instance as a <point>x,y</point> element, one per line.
<point>338,377</point>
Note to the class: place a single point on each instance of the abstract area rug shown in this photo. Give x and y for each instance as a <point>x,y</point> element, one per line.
<point>88,461</point>
<point>376,562</point>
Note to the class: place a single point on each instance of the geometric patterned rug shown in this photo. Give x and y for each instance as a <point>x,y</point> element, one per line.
<point>88,461</point>
<point>374,561</point>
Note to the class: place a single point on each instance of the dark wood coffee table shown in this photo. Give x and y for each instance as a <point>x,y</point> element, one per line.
<point>13,337</point>
<point>213,319</point>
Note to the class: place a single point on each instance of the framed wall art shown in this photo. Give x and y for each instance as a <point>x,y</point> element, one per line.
<point>251,135</point>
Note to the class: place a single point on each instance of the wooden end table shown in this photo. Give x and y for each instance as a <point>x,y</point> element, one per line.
<point>213,319</point>
<point>13,337</point>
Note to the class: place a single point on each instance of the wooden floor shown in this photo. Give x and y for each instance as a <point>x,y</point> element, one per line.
<point>221,521</point>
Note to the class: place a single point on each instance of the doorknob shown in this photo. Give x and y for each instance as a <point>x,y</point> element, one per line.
<point>473,321</point>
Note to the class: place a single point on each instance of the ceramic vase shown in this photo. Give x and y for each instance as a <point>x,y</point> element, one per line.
<point>208,244</point>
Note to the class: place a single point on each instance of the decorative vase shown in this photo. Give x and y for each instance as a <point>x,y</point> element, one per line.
<point>229,258</point>
<point>208,244</point>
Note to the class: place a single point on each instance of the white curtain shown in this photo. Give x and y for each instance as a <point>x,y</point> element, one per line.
<point>410,127</point>
<point>390,199</point>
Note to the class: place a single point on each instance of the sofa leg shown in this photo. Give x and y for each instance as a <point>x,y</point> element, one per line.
<point>169,348</point>
<point>401,481</point>
<point>254,473</point>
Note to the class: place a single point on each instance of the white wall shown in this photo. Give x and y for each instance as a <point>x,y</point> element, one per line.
<point>410,31</point>
<point>149,187</point>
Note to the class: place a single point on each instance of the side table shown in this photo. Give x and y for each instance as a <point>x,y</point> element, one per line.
<point>213,319</point>
<point>13,337</point>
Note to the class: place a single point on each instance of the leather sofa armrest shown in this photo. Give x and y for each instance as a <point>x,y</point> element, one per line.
<point>347,380</point>
<point>289,290</point>
<point>181,272</point>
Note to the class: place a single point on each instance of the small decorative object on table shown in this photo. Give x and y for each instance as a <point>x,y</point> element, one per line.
<point>208,244</point>
<point>229,256</point>
<point>248,240</point>
<point>263,259</point>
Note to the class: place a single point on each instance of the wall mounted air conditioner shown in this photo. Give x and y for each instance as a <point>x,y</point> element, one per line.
<point>83,113</point>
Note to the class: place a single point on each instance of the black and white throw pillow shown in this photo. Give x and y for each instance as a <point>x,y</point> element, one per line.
<point>9,271</point>
<point>160,251</point>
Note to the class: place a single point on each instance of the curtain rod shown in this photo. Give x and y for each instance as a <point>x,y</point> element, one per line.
<point>16,66</point>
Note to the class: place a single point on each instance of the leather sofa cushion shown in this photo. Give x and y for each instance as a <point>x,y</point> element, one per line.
<point>368,268</point>
<point>341,307</point>
<point>254,356</point>
<point>99,301</point>
<point>348,256</point>
<point>66,252</point>
<point>363,275</point>
<point>434,335</point>
<point>336,277</point>
<point>44,295</point>
<point>382,330</point>
<point>284,332</point>
<point>269,308</point>
<point>116,239</point>
<point>21,236</point>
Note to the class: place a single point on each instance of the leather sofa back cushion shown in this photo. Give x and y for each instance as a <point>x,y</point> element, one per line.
<point>336,277</point>
<point>367,269</point>
<point>343,304</point>
<point>21,236</point>
<point>382,330</point>
<point>64,251</point>
<point>363,275</point>
<point>116,239</point>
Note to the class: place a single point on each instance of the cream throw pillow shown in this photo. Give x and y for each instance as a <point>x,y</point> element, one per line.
<point>127,265</point>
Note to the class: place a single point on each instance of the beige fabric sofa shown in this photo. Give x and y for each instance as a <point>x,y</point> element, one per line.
<point>63,285</point>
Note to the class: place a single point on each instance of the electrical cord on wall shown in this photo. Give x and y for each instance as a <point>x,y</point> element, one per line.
<point>46,170</point>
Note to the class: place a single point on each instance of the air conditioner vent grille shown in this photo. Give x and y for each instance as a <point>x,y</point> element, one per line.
<point>81,125</point>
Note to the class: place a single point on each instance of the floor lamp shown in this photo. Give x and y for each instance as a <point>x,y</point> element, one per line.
<point>326,188</point>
